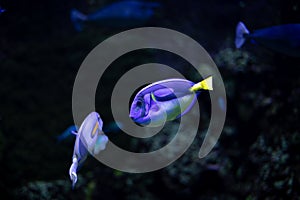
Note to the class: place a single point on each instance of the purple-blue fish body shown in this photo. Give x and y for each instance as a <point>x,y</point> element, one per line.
<point>166,100</point>
<point>283,38</point>
<point>119,14</point>
<point>90,138</point>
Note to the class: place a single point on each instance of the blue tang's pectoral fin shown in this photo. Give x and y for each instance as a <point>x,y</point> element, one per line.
<point>164,94</point>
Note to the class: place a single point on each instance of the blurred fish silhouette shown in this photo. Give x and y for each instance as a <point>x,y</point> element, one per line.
<point>121,14</point>
<point>166,100</point>
<point>2,10</point>
<point>283,39</point>
<point>90,138</point>
<point>113,127</point>
<point>71,130</point>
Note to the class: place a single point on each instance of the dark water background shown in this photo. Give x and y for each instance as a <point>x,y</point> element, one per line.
<point>258,153</point>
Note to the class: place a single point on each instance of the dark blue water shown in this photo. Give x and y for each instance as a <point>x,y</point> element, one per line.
<point>40,52</point>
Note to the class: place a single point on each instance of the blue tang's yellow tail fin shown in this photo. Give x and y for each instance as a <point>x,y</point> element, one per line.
<point>206,84</point>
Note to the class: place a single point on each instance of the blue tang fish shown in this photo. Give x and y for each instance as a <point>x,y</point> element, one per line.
<point>283,39</point>
<point>166,100</point>
<point>2,10</point>
<point>120,14</point>
<point>90,138</point>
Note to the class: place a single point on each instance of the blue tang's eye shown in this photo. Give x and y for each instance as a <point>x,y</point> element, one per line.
<point>139,104</point>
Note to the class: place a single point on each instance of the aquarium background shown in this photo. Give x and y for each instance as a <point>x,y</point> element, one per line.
<point>256,157</point>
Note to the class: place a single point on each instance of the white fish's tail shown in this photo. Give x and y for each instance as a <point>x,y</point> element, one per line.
<point>72,171</point>
<point>77,19</point>
<point>241,31</point>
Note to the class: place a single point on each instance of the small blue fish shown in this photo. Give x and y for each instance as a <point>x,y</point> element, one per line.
<point>90,138</point>
<point>161,101</point>
<point>113,127</point>
<point>283,39</point>
<point>2,10</point>
<point>120,14</point>
<point>71,130</point>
